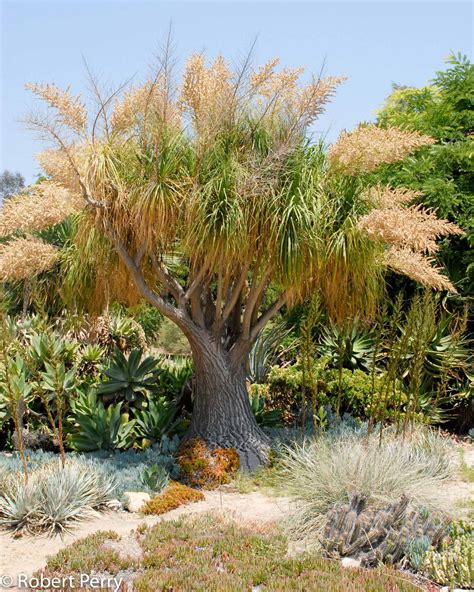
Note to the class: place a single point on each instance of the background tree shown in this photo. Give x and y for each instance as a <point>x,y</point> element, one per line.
<point>442,172</point>
<point>198,196</point>
<point>10,183</point>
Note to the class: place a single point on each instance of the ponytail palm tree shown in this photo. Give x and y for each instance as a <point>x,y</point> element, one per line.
<point>207,199</point>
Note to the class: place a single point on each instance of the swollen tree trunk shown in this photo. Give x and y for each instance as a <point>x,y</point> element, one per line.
<point>220,334</point>
<point>222,415</point>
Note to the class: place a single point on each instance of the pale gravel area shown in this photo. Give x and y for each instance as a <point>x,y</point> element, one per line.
<point>27,554</point>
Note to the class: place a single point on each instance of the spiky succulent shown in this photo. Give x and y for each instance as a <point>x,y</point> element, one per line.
<point>55,496</point>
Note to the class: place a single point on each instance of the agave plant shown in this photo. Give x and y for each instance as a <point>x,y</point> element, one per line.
<point>48,346</point>
<point>97,428</point>
<point>126,332</point>
<point>448,353</point>
<point>129,378</point>
<point>266,351</point>
<point>447,344</point>
<point>156,421</point>
<point>15,394</point>
<point>56,496</point>
<point>155,478</point>
<point>89,358</point>
<point>173,376</point>
<point>269,418</point>
<point>15,389</point>
<point>348,347</point>
<point>55,387</point>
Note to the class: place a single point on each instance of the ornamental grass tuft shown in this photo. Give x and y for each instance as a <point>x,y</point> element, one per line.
<point>333,468</point>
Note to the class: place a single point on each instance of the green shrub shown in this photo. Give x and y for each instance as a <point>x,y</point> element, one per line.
<point>149,318</point>
<point>171,340</point>
<point>359,393</point>
<point>155,478</point>
<point>355,391</point>
<point>285,391</point>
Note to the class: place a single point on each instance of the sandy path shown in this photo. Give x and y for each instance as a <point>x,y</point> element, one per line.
<point>461,492</point>
<point>27,554</point>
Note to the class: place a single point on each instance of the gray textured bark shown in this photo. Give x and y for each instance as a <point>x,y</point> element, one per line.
<point>222,415</point>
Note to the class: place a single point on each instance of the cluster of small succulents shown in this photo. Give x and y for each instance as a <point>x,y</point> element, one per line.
<point>452,564</point>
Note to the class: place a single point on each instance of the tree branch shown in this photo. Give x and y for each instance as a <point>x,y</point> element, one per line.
<point>171,283</point>
<point>196,282</point>
<point>267,315</point>
<point>243,344</point>
<point>139,255</point>
<point>235,294</point>
<point>170,311</point>
<point>256,291</point>
<point>220,291</point>
<point>52,132</point>
<point>197,312</point>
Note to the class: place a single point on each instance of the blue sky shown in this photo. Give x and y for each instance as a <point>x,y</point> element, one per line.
<point>373,43</point>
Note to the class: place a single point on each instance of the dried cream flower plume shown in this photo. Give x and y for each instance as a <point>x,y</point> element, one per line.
<point>417,267</point>
<point>24,257</point>
<point>369,146</point>
<point>207,92</point>
<point>287,97</point>
<point>39,207</point>
<point>384,196</point>
<point>71,110</point>
<point>414,227</point>
<point>56,163</point>
<point>151,96</point>
<point>411,233</point>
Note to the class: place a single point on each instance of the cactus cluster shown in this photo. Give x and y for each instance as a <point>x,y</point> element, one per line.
<point>375,535</point>
<point>452,564</point>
